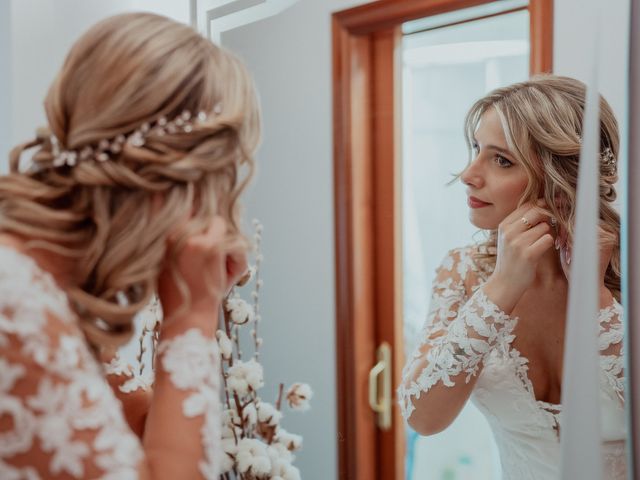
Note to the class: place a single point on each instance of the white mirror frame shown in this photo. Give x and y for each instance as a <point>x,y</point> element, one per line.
<point>213,17</point>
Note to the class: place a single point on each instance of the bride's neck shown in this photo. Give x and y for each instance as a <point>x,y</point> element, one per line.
<point>549,271</point>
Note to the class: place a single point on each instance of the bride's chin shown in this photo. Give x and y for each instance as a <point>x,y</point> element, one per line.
<point>483,224</point>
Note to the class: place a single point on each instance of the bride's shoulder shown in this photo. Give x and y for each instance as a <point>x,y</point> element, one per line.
<point>25,287</point>
<point>473,261</point>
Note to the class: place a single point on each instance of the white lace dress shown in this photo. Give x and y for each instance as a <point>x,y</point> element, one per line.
<point>59,417</point>
<point>466,335</point>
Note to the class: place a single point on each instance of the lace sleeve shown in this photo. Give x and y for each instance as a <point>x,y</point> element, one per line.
<point>60,419</point>
<point>459,332</point>
<point>612,348</point>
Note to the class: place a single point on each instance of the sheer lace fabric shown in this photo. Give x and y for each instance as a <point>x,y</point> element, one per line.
<point>59,418</point>
<point>465,333</point>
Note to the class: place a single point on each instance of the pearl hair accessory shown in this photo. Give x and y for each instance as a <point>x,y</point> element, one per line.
<point>609,160</point>
<point>108,147</point>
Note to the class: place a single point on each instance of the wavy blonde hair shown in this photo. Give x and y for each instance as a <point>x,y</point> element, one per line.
<point>127,70</point>
<point>542,121</point>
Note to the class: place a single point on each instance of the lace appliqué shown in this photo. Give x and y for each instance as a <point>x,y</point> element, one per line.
<point>477,329</point>
<point>70,414</point>
<point>612,348</point>
<point>188,359</point>
<point>134,381</point>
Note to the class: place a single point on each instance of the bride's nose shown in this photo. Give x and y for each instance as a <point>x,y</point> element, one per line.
<point>472,175</point>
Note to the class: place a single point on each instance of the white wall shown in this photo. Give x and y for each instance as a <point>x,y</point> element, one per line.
<point>38,38</point>
<point>290,57</point>
<point>5,79</point>
<point>571,58</point>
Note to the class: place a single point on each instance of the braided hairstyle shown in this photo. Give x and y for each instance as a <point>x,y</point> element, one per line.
<point>126,71</point>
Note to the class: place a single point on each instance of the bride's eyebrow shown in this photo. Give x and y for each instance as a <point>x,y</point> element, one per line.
<point>495,147</point>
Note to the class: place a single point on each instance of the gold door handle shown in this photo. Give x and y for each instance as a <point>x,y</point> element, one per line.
<point>381,404</point>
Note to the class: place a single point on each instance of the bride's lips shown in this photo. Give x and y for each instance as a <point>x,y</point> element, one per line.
<point>473,202</point>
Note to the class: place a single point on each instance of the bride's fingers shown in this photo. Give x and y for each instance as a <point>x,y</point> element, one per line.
<point>541,245</point>
<point>237,268</point>
<point>530,236</point>
<point>213,236</point>
<point>528,216</point>
<point>516,215</point>
<point>533,218</point>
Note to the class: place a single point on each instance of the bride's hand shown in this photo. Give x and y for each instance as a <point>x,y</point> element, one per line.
<point>523,237</point>
<point>209,265</point>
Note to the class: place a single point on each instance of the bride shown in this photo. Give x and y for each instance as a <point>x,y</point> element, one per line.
<point>132,190</point>
<point>496,324</point>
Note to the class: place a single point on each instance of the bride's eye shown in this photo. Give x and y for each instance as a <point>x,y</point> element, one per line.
<point>503,162</point>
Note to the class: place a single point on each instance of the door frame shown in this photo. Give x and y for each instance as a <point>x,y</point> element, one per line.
<point>367,201</point>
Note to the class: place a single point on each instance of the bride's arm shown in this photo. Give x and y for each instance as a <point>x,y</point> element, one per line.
<point>459,333</point>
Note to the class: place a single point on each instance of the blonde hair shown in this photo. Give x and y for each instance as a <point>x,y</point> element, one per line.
<point>128,70</point>
<point>542,121</point>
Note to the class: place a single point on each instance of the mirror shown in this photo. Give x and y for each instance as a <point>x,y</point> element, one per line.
<point>448,62</point>
<point>446,67</point>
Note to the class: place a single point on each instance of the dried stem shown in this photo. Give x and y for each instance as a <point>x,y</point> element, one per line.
<point>280,392</point>
<point>236,334</point>
<point>155,307</point>
<point>142,349</point>
<point>227,323</point>
<point>154,341</point>
<point>258,283</point>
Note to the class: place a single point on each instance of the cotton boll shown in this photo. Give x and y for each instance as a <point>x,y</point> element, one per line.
<point>226,347</point>
<point>289,440</point>
<point>285,471</point>
<point>279,453</point>
<point>291,473</point>
<point>255,374</point>
<point>241,312</point>
<point>229,452</point>
<point>298,396</point>
<point>245,376</point>
<point>252,454</point>
<point>268,414</point>
<point>250,414</point>
<point>237,385</point>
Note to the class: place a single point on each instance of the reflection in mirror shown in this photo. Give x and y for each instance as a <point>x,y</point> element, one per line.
<point>447,66</point>
<point>445,69</point>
